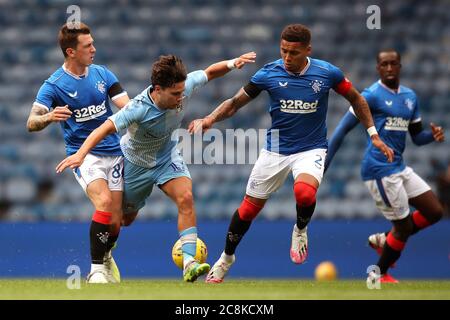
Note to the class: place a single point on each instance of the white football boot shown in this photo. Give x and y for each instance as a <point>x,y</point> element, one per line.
<point>220,269</point>
<point>299,245</point>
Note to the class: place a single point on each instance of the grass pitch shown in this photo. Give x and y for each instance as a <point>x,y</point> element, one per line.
<point>157,289</point>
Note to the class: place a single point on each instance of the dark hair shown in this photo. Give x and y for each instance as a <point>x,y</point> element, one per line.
<point>296,33</point>
<point>68,36</point>
<point>388,50</point>
<point>167,71</point>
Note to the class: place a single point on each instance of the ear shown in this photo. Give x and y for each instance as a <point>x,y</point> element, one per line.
<point>70,52</point>
<point>309,49</point>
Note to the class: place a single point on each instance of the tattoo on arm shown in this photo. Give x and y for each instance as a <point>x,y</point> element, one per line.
<point>230,106</point>
<point>39,119</point>
<point>360,107</point>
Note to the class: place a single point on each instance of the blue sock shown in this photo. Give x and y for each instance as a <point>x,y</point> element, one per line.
<point>188,238</point>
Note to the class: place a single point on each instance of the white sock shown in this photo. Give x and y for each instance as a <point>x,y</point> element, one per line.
<point>227,258</point>
<point>297,230</point>
<point>97,267</point>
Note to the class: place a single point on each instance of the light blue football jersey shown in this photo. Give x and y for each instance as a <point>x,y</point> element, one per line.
<point>87,97</point>
<point>298,104</point>
<point>392,113</point>
<point>151,137</point>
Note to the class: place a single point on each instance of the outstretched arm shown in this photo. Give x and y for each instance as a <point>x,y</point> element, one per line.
<point>421,137</point>
<point>221,68</point>
<point>362,111</point>
<point>225,110</point>
<point>75,160</point>
<point>347,123</point>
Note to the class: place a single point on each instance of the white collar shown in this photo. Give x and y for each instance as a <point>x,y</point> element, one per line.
<point>303,70</point>
<point>78,77</point>
<point>389,89</point>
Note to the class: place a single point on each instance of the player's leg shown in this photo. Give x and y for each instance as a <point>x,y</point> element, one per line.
<point>392,200</point>
<point>92,175</point>
<point>428,208</point>
<point>307,168</point>
<point>100,229</point>
<point>138,185</point>
<point>268,174</point>
<point>179,189</point>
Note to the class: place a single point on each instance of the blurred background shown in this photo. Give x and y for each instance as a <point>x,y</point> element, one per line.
<point>130,35</point>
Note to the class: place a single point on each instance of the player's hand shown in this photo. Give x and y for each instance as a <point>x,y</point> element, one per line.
<point>200,125</point>
<point>73,161</point>
<point>438,132</point>
<point>378,143</point>
<point>248,57</point>
<point>60,114</point>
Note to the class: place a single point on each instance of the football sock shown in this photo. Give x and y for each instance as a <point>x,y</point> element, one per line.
<point>188,238</point>
<point>99,234</point>
<point>236,231</point>
<point>391,252</point>
<point>111,242</point>
<point>419,222</point>
<point>304,215</point>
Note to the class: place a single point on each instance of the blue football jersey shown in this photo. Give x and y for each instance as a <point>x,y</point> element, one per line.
<point>151,138</point>
<point>298,104</point>
<point>87,98</point>
<point>392,113</point>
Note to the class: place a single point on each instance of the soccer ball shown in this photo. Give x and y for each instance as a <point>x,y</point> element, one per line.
<point>200,255</point>
<point>326,271</point>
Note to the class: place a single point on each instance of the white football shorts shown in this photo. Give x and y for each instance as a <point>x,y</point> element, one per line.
<point>271,170</point>
<point>391,193</point>
<point>109,168</point>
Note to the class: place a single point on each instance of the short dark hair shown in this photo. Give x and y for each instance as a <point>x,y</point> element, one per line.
<point>68,36</point>
<point>388,50</point>
<point>296,33</point>
<point>167,71</point>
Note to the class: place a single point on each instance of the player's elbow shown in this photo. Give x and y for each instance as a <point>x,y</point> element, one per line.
<point>30,126</point>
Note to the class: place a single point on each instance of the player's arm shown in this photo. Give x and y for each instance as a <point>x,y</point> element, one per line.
<point>420,136</point>
<point>41,117</point>
<point>347,123</point>
<point>221,68</point>
<point>362,111</point>
<point>225,110</point>
<point>91,141</point>
<point>118,96</point>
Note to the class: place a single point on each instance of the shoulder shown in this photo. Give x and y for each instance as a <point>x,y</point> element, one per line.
<point>56,76</point>
<point>271,68</point>
<point>98,69</point>
<point>322,64</point>
<point>408,91</point>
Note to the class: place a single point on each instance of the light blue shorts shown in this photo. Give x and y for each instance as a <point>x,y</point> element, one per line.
<point>139,181</point>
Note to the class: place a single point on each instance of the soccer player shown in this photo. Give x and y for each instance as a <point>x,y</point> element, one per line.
<point>76,96</point>
<point>394,186</point>
<point>151,156</point>
<point>298,88</point>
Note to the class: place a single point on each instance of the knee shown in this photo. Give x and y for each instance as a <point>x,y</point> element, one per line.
<point>249,210</point>
<point>105,203</point>
<point>185,202</point>
<point>305,194</point>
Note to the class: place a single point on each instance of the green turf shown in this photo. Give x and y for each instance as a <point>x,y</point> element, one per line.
<point>232,289</point>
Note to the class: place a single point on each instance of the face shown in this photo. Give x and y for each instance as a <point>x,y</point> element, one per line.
<point>85,51</point>
<point>172,97</point>
<point>388,67</point>
<point>294,55</point>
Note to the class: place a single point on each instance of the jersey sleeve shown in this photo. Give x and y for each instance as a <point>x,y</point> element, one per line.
<point>114,88</point>
<point>45,96</point>
<point>195,80</point>
<point>416,113</point>
<point>259,79</point>
<point>133,112</point>
<point>336,76</point>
